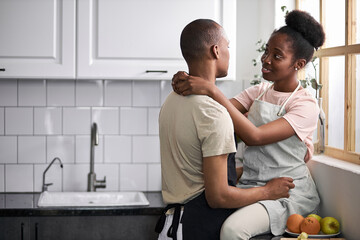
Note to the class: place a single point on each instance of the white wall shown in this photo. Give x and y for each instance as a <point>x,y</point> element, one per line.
<point>338,185</point>
<point>256,20</point>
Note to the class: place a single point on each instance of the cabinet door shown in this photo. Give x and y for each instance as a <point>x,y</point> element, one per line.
<point>140,39</point>
<point>37,39</point>
<point>14,228</point>
<point>94,227</point>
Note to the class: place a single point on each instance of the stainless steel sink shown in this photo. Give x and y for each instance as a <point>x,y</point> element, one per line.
<point>92,199</point>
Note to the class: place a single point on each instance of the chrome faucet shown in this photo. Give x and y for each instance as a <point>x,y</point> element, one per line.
<point>45,185</point>
<point>93,184</point>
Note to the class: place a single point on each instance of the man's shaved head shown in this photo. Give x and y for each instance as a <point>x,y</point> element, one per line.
<point>197,37</point>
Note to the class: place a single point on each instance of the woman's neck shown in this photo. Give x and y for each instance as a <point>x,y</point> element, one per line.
<point>286,86</point>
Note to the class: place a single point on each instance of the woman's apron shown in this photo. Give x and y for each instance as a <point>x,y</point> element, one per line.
<point>199,220</point>
<point>281,159</point>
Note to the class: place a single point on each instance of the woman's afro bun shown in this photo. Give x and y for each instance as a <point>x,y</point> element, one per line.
<point>307,26</point>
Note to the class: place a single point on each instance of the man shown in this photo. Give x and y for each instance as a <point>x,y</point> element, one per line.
<point>196,137</point>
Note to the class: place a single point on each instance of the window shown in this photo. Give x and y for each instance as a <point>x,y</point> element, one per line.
<point>339,72</point>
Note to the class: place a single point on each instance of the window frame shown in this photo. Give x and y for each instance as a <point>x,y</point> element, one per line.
<point>349,50</point>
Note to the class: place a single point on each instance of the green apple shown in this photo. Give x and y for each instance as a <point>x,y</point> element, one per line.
<point>329,225</point>
<point>315,216</point>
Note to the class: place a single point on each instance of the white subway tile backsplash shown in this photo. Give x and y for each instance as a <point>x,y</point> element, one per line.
<point>31,149</point>
<point>2,200</point>
<point>2,178</point>
<point>53,175</point>
<point>89,93</point>
<point>165,90</point>
<point>154,177</point>
<point>117,149</point>
<point>61,93</point>
<point>133,177</point>
<point>107,120</point>
<point>32,92</point>
<point>76,120</point>
<point>154,121</point>
<point>62,147</point>
<point>83,150</point>
<point>146,93</point>
<point>47,121</point>
<point>133,121</point>
<point>111,172</point>
<point>8,92</point>
<point>8,149</point>
<point>19,121</point>
<point>118,93</point>
<point>19,201</point>
<point>19,178</point>
<point>75,177</point>
<point>2,121</point>
<point>44,119</point>
<point>146,149</point>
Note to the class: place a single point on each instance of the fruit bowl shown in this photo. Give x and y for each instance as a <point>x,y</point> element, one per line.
<point>320,235</point>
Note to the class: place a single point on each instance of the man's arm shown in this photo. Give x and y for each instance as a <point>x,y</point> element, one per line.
<point>220,195</point>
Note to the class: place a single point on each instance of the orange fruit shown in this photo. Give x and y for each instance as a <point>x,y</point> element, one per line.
<point>293,223</point>
<point>310,225</point>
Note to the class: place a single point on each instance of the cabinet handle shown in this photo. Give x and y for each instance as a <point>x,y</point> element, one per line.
<point>156,71</point>
<point>22,231</point>
<point>2,69</point>
<point>36,231</point>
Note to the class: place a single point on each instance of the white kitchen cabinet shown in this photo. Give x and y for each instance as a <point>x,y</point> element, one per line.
<point>140,39</point>
<point>103,39</point>
<point>37,38</point>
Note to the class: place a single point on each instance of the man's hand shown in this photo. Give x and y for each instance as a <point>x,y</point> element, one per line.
<point>279,188</point>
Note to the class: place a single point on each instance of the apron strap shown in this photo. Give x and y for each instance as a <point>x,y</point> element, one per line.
<point>172,232</point>
<point>287,100</point>
<point>258,98</point>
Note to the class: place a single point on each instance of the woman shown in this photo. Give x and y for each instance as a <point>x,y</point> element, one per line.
<point>282,117</point>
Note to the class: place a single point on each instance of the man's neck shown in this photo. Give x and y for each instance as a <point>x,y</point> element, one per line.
<point>204,70</point>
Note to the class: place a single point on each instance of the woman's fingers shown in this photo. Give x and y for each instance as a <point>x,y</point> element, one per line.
<point>179,82</point>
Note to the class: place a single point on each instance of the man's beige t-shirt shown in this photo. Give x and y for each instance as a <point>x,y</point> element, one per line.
<point>190,128</point>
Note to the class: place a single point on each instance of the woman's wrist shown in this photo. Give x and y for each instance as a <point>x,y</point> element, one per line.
<point>212,91</point>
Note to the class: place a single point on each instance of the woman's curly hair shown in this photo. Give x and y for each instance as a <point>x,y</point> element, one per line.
<point>305,33</point>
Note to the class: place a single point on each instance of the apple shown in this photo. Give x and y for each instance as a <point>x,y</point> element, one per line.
<point>329,225</point>
<point>315,216</point>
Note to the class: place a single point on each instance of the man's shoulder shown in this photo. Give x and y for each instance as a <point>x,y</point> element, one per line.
<point>206,101</point>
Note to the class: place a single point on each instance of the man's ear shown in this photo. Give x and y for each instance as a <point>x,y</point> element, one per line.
<point>215,51</point>
<point>300,63</point>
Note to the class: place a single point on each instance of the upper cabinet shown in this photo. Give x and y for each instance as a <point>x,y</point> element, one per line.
<point>37,39</point>
<point>140,39</point>
<point>114,39</point>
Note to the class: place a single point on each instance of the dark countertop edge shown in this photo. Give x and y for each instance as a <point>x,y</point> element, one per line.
<point>81,211</point>
<point>154,208</point>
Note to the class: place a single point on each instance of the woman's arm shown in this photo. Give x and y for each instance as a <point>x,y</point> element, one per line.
<point>251,135</point>
<point>268,133</point>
